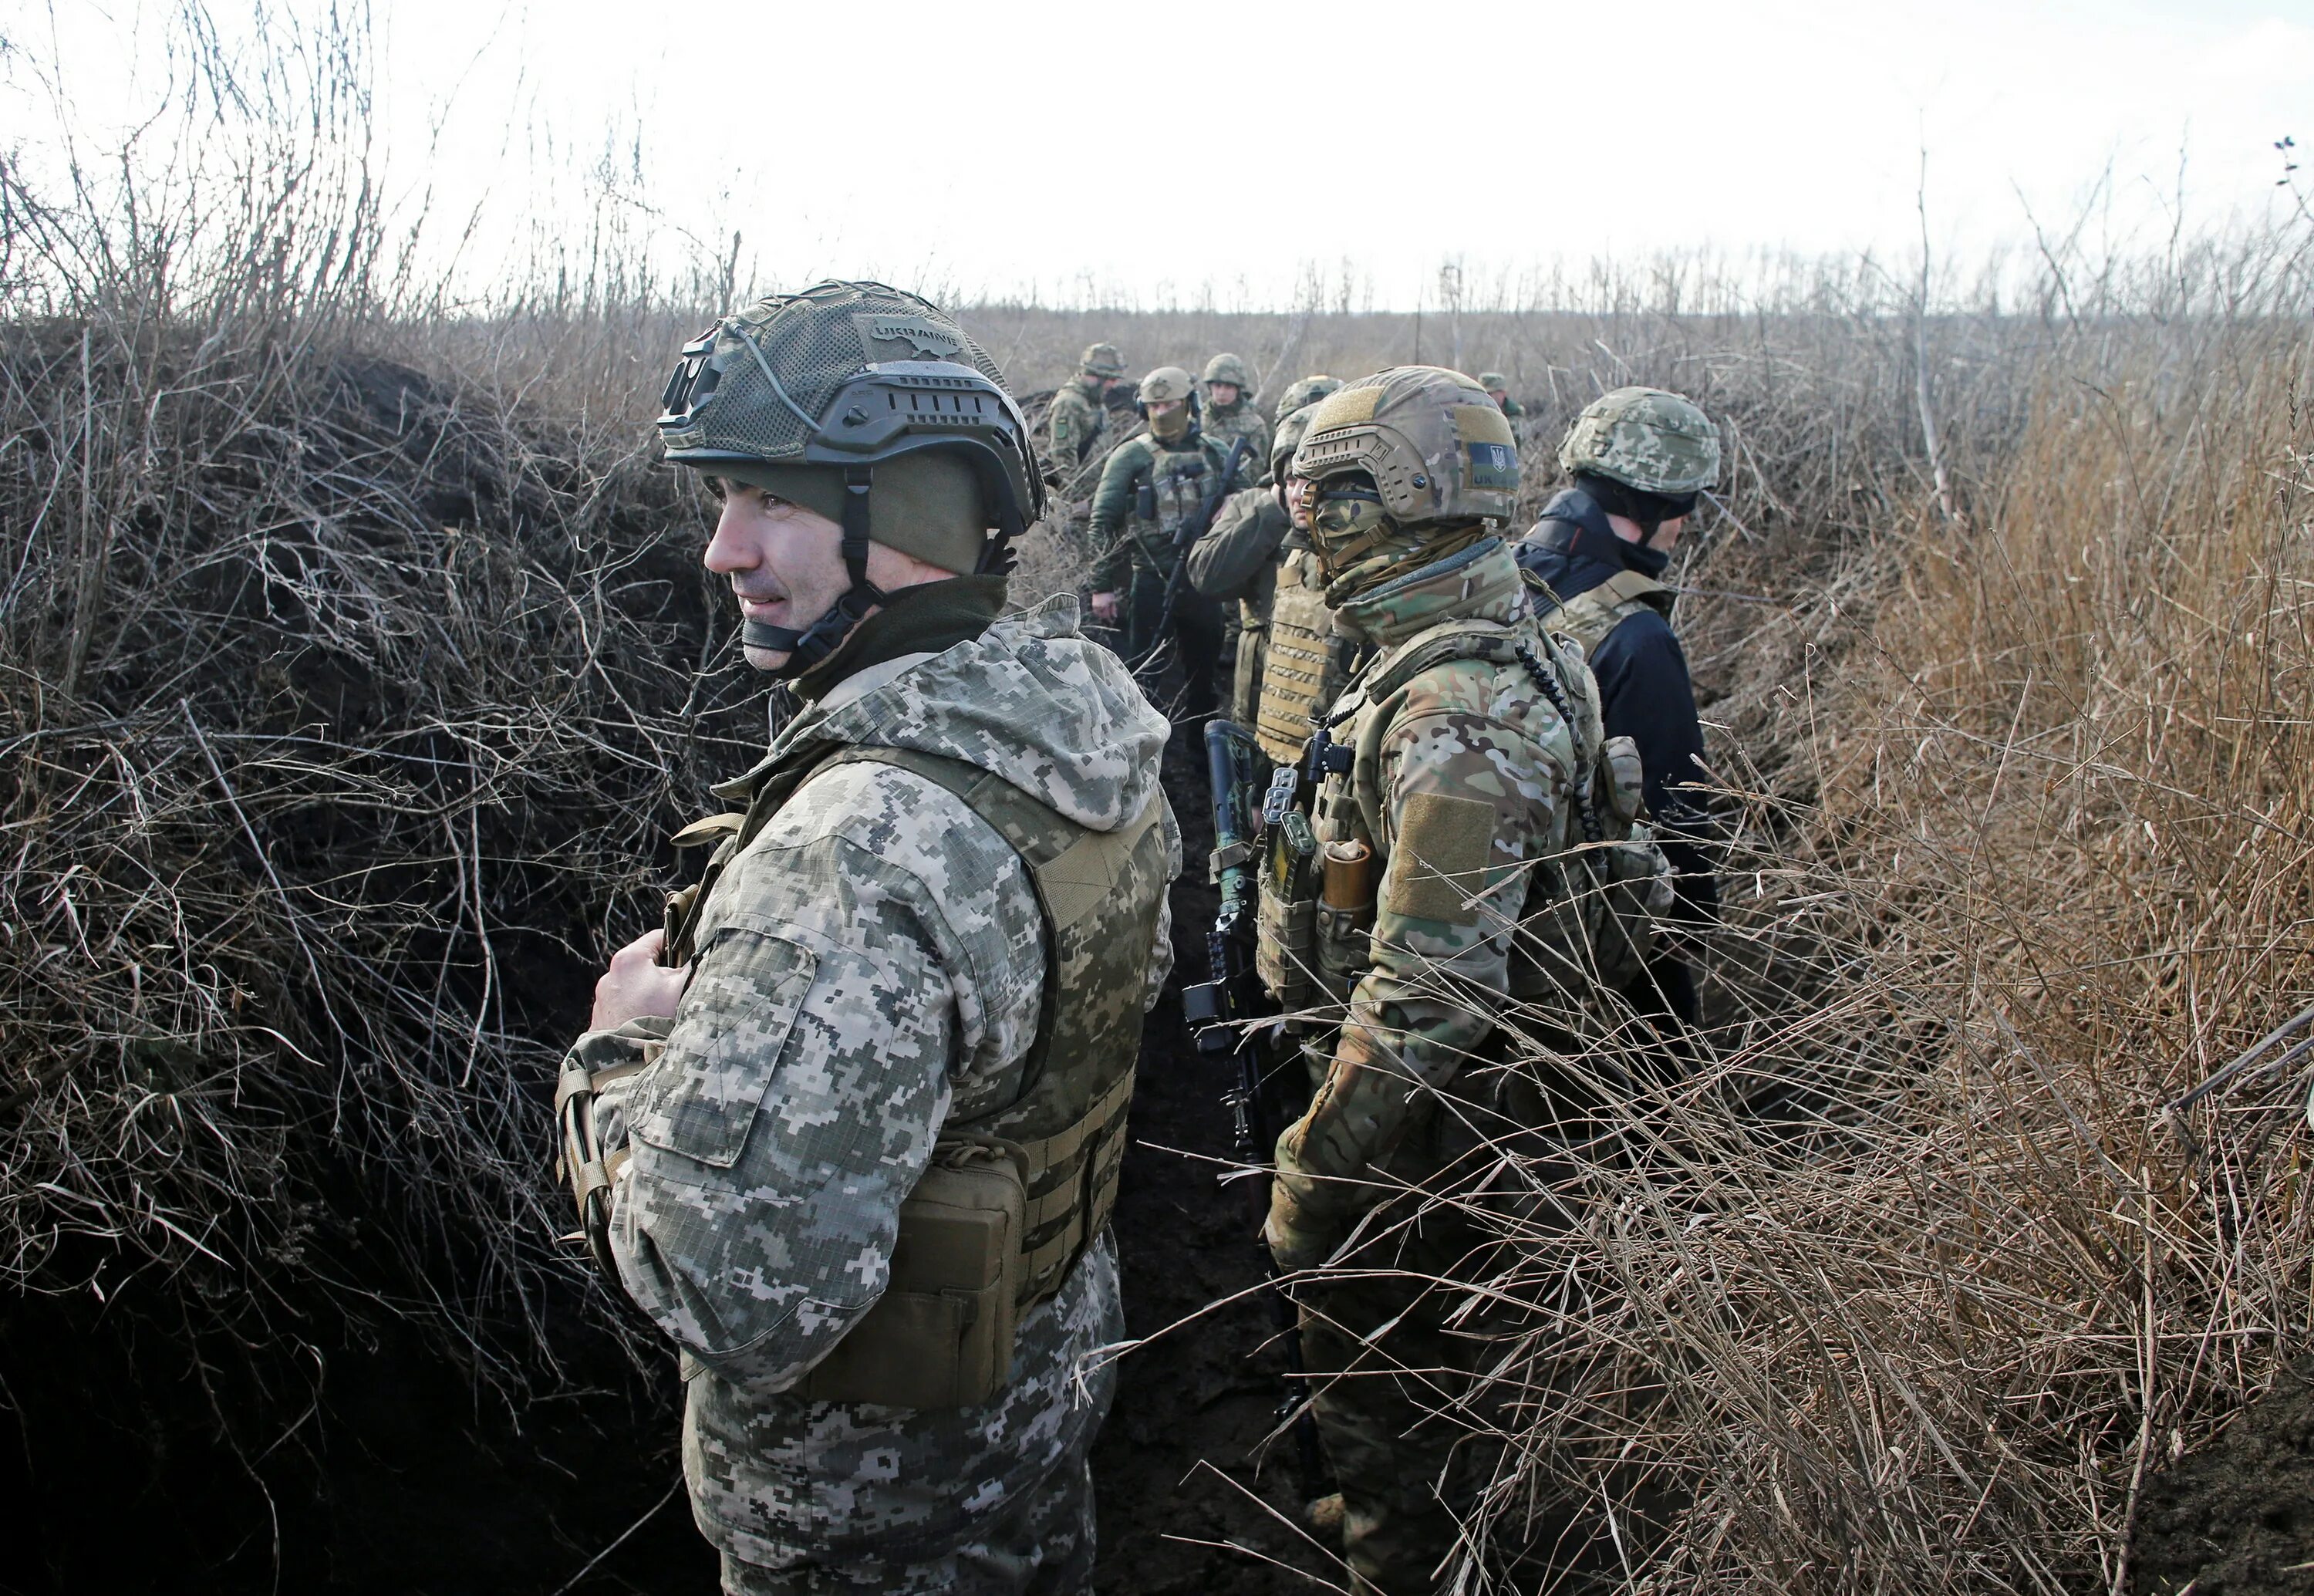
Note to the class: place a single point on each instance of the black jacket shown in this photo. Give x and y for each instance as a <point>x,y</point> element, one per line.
<point>1644,688</point>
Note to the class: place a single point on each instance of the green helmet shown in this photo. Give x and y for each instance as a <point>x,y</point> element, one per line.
<point>1645,438</point>
<point>1291,427</point>
<point>1229,368</point>
<point>1492,381</point>
<point>1166,382</point>
<point>860,401</point>
<point>1304,393</point>
<point>1101,360</point>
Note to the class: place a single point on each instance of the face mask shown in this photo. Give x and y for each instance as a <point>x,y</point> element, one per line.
<point>1346,523</point>
<point>1171,425</point>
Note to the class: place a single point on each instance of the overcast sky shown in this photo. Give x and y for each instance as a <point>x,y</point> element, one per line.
<point>1141,153</point>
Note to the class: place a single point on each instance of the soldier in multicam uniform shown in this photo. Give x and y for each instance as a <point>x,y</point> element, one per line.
<point>1150,487</point>
<point>1260,543</point>
<point>1465,772</point>
<point>1230,414</point>
<point>848,1131</point>
<point>1078,419</point>
<point>1638,458</point>
<point>1498,389</point>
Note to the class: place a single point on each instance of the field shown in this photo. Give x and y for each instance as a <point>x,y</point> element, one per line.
<point>355,663</point>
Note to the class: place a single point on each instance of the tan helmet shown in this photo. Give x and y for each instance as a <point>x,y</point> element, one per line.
<point>1304,393</point>
<point>1166,382</point>
<point>1101,360</point>
<point>1229,368</point>
<point>1645,438</point>
<point>1435,445</point>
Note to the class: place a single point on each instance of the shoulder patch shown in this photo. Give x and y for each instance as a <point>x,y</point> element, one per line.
<point>1437,865</point>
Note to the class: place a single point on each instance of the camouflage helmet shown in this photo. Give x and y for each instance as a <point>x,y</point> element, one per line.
<point>1645,438</point>
<point>870,405</point>
<point>1291,427</point>
<point>1435,445</point>
<point>1166,382</point>
<point>1101,360</point>
<point>1304,392</point>
<point>1494,381</point>
<point>1229,368</point>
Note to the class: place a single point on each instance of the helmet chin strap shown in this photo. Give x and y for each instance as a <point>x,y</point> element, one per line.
<point>808,648</point>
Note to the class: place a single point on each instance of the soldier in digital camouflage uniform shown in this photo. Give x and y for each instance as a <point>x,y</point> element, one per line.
<point>1152,486</point>
<point>1503,870</point>
<point>1230,414</point>
<point>1498,389</point>
<point>854,1152</point>
<point>1241,560</point>
<point>1637,458</point>
<point>1077,422</point>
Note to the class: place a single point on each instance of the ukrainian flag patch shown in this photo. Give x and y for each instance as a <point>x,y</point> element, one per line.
<point>1494,466</point>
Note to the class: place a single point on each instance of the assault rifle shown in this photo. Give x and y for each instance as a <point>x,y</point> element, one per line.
<point>1222,1011</point>
<point>1193,527</point>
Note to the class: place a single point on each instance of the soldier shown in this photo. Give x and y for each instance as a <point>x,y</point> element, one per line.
<point>1498,389</point>
<point>1638,458</point>
<point>1230,414</point>
<point>1153,485</point>
<point>1260,543</point>
<point>1079,417</point>
<point>848,1130</point>
<point>1461,773</point>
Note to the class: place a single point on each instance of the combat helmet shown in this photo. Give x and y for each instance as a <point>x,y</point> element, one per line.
<point>872,406</point>
<point>1168,382</point>
<point>1304,392</point>
<point>1229,368</point>
<point>1493,380</point>
<point>1101,360</point>
<point>1646,439</point>
<point>1399,461</point>
<point>1291,428</point>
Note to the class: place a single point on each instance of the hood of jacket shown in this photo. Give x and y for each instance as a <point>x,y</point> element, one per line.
<point>1479,583</point>
<point>1031,700</point>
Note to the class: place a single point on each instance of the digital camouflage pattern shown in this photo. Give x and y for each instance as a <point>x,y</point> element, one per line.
<point>1226,423</point>
<point>1645,438</point>
<point>870,967</point>
<point>1229,368</point>
<point>1462,784</point>
<point>1073,427</point>
<point>1101,360</point>
<point>1177,475</point>
<point>1304,391</point>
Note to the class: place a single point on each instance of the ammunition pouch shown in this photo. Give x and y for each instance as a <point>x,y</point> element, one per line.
<point>583,1162</point>
<point>975,1254</point>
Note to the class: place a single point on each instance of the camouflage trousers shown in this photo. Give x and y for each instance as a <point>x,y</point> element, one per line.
<point>1042,1547</point>
<point>1393,1409</point>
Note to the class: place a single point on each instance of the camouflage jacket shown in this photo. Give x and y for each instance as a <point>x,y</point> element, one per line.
<point>872,965</point>
<point>1178,477</point>
<point>1226,425</point>
<point>1463,778</point>
<point>1074,426</point>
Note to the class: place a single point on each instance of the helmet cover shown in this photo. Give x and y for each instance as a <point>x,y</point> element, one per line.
<point>1645,438</point>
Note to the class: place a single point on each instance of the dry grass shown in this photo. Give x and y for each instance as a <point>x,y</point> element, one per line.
<point>353,660</point>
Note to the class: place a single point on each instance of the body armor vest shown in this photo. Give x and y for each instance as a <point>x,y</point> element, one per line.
<point>1306,662</point>
<point>1590,615</point>
<point>1016,1193</point>
<point>1169,492</point>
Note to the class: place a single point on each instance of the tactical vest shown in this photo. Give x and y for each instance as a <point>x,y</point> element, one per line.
<point>1169,492</point>
<point>1015,1195</point>
<point>1584,921</point>
<point>1306,662</point>
<point>1590,615</point>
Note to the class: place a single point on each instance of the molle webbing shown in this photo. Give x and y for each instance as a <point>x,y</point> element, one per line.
<point>1590,615</point>
<point>1302,672</point>
<point>1068,1123</point>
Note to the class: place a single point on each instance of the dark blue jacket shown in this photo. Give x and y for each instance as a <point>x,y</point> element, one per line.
<point>1644,688</point>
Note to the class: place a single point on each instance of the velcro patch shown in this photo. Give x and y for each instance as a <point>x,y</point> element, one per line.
<point>1494,466</point>
<point>886,335</point>
<point>1439,861</point>
<point>1346,407</point>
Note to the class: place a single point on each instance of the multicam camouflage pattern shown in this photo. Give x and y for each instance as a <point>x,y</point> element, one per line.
<point>1432,440</point>
<point>871,968</point>
<point>1179,474</point>
<point>1073,428</point>
<point>1462,784</point>
<point>1645,438</point>
<point>1304,391</point>
<point>1101,360</point>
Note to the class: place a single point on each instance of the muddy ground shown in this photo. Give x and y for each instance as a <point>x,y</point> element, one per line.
<point>2237,1518</point>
